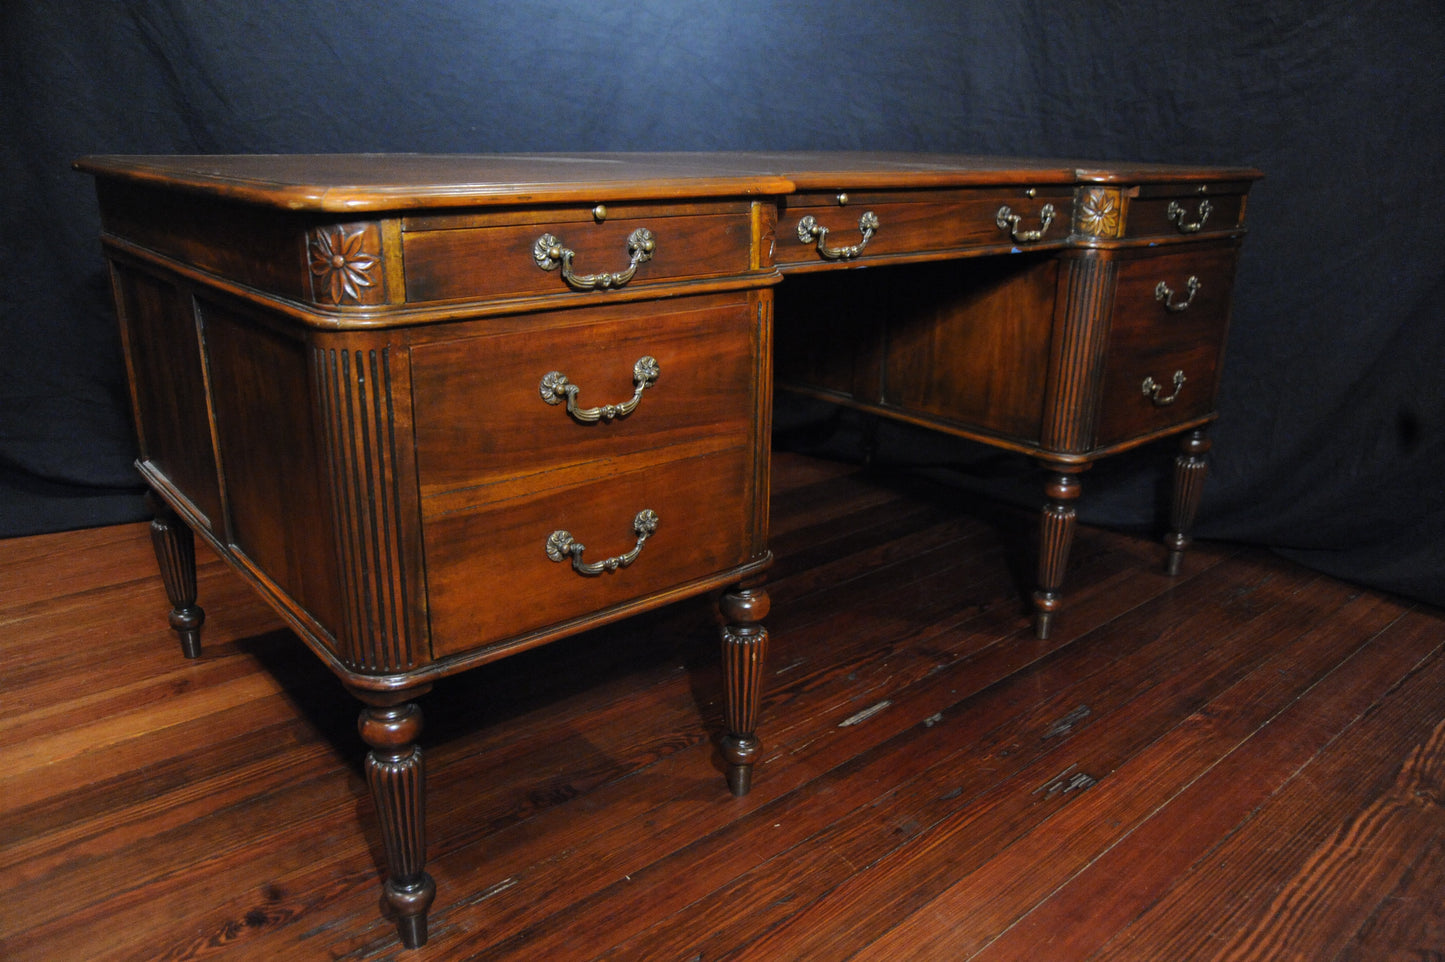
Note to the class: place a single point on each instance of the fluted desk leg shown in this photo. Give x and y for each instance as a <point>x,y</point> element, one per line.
<point>1056,538</point>
<point>745,649</point>
<point>390,725</point>
<point>175,546</point>
<point>1190,470</point>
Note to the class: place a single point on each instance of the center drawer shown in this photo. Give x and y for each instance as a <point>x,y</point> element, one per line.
<point>904,224</point>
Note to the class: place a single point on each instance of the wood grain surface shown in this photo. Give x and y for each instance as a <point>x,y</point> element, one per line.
<point>1245,762</point>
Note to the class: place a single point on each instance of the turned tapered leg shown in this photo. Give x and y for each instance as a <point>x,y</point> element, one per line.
<point>1056,537</point>
<point>175,546</point>
<point>390,725</point>
<point>1190,469</point>
<point>745,649</point>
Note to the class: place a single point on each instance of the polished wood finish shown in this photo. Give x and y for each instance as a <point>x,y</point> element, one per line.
<point>362,433</point>
<point>1243,762</point>
<point>1189,471</point>
<point>391,725</point>
<point>1057,522</point>
<point>348,374</point>
<point>1146,339</point>
<point>454,258</point>
<point>175,548</point>
<point>918,225</point>
<point>744,657</point>
<point>479,422</point>
<point>1102,329</point>
<point>857,338</point>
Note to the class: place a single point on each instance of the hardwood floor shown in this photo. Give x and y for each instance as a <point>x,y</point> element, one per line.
<point>1244,762</point>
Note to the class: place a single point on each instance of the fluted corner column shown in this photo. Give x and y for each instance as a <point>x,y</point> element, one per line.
<point>390,724</point>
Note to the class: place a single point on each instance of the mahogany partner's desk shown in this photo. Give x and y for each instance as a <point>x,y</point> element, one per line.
<point>399,393</point>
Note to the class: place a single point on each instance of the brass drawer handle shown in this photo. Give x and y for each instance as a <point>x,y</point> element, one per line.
<point>1009,221</point>
<point>561,546</point>
<point>1152,388</point>
<point>550,254</point>
<point>1164,294</point>
<point>555,388</point>
<point>1176,216</point>
<point>809,230</point>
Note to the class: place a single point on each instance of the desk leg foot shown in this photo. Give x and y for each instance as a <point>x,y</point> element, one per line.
<point>390,725</point>
<point>745,649</point>
<point>1190,469</point>
<point>1056,538</point>
<point>175,546</point>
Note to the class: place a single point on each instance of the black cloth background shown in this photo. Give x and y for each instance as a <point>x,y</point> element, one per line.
<point>1331,443</point>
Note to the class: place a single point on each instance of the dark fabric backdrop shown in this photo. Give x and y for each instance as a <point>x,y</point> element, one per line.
<point>1331,443</point>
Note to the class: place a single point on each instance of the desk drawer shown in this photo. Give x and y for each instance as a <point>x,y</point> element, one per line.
<point>1177,211</point>
<point>482,419</point>
<point>496,255</point>
<point>918,223</point>
<point>491,576</point>
<point>1166,338</point>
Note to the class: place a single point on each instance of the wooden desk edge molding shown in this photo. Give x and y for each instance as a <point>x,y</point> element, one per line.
<point>398,392</point>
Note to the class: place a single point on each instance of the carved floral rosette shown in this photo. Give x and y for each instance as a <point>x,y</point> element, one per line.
<point>345,264</point>
<point>1100,212</point>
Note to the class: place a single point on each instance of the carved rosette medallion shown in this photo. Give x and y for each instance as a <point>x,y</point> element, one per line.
<point>345,261</point>
<point>1101,213</point>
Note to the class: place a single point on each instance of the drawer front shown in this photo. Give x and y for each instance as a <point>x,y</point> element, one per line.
<point>1177,212</point>
<point>497,256</point>
<point>912,224</point>
<point>1165,344</point>
<point>482,418</point>
<point>491,576</point>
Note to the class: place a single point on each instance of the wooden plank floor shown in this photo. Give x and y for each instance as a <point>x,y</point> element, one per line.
<point>1245,762</point>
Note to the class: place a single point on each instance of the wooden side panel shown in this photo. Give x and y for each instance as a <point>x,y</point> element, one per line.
<point>273,467</point>
<point>968,344</point>
<point>261,248</point>
<point>168,385</point>
<point>964,344</point>
<point>760,491</point>
<point>828,334</point>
